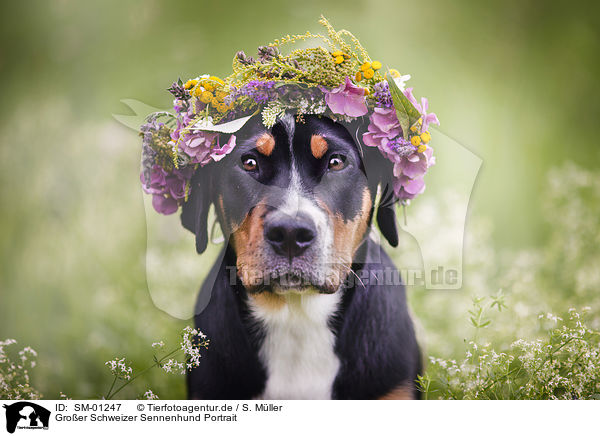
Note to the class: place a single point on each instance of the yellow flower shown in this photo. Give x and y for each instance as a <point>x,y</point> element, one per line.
<point>208,85</point>
<point>394,73</point>
<point>415,140</point>
<point>413,129</point>
<point>190,84</point>
<point>421,148</point>
<point>367,92</point>
<point>214,101</point>
<point>337,53</point>
<point>222,107</point>
<point>339,59</point>
<point>369,73</point>
<point>221,95</point>
<point>216,79</point>
<point>376,65</point>
<point>358,76</point>
<point>365,66</point>
<point>206,97</point>
<point>198,91</point>
<point>425,137</point>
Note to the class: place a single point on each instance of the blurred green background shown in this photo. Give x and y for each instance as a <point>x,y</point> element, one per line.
<point>516,82</point>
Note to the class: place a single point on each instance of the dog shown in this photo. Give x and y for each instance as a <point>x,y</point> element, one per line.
<point>291,307</point>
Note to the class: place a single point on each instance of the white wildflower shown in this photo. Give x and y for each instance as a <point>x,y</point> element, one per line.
<point>119,368</point>
<point>149,395</point>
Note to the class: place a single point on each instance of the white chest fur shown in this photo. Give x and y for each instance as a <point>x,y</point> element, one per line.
<point>298,350</point>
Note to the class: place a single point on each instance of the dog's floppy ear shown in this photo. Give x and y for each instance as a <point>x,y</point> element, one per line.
<point>386,209</point>
<point>194,213</point>
<point>379,172</point>
<point>386,215</point>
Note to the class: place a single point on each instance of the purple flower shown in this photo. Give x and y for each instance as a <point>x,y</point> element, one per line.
<point>409,172</point>
<point>385,133</point>
<point>164,205</point>
<point>408,93</point>
<point>167,188</point>
<point>175,186</point>
<point>156,185</point>
<point>406,188</point>
<point>197,145</point>
<point>414,165</point>
<point>383,128</point>
<point>382,95</point>
<point>220,152</point>
<point>422,108</point>
<point>398,147</point>
<point>260,91</point>
<point>427,118</point>
<point>179,106</point>
<point>347,99</point>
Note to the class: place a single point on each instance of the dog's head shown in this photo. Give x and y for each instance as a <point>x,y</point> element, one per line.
<point>295,201</point>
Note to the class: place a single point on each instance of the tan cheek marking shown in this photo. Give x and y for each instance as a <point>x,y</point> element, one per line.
<point>362,219</point>
<point>402,392</point>
<point>268,302</point>
<point>265,144</point>
<point>347,236</point>
<point>318,146</point>
<point>247,240</point>
<point>249,233</point>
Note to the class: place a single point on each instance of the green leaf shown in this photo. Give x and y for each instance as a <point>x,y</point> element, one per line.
<point>404,121</point>
<point>406,112</point>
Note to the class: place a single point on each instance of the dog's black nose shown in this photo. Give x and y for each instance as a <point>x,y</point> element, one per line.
<point>290,236</point>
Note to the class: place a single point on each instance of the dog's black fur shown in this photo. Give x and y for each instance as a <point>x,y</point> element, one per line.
<point>374,336</point>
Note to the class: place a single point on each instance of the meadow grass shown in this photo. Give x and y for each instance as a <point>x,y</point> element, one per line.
<point>524,325</point>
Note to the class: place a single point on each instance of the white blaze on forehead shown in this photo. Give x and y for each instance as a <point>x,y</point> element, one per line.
<point>297,200</point>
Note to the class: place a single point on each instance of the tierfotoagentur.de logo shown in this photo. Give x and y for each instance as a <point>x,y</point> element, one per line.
<point>26,415</point>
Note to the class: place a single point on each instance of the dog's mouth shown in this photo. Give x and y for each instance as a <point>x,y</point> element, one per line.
<point>293,281</point>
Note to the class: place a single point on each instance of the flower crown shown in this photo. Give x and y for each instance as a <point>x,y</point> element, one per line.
<point>339,81</point>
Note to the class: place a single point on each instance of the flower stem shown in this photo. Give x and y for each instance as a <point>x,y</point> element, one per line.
<point>108,397</point>
<point>111,387</point>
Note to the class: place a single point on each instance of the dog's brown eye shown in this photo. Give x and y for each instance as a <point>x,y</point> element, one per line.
<point>249,163</point>
<point>337,162</point>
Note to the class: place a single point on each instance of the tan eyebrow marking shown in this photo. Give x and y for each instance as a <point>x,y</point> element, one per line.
<point>265,144</point>
<point>318,146</point>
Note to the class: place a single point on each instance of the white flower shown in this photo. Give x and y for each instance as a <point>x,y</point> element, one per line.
<point>149,395</point>
<point>401,81</point>
<point>119,369</point>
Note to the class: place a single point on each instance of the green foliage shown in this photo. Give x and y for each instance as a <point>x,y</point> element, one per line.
<point>313,66</point>
<point>406,112</point>
<point>564,364</point>
<point>527,341</point>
